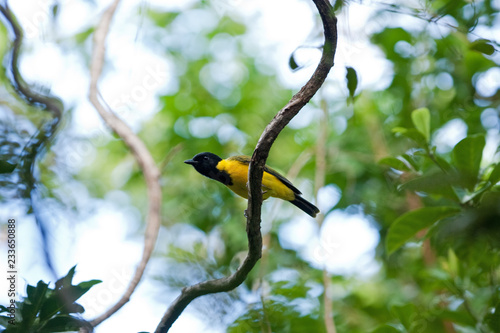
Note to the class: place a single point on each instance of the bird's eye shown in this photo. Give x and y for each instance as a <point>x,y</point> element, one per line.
<point>205,158</point>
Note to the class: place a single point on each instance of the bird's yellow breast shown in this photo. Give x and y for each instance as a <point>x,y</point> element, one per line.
<point>271,186</point>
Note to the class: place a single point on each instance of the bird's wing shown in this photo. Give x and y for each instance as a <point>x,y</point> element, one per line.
<point>246,160</point>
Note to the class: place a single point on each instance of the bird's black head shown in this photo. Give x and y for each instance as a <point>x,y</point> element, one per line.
<point>205,163</point>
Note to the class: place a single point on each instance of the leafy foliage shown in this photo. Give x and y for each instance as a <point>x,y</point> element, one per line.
<point>47,310</point>
<point>392,153</point>
<point>408,224</point>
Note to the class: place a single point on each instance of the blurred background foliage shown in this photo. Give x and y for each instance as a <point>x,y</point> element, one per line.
<point>388,153</point>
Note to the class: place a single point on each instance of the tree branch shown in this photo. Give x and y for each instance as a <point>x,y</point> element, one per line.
<point>141,154</point>
<point>319,182</point>
<point>43,135</point>
<point>255,173</point>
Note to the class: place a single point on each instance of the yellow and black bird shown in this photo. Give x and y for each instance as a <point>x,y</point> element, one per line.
<point>233,172</point>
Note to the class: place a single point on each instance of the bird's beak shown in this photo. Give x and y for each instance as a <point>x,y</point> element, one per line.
<point>192,162</point>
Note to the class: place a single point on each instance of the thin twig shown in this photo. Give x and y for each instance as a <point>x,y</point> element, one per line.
<point>255,173</point>
<point>175,149</point>
<point>320,172</point>
<point>140,152</point>
<point>292,173</point>
<point>265,322</point>
<point>319,182</point>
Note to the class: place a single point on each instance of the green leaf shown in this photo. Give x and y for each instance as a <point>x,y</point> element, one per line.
<point>62,324</point>
<point>162,19</point>
<point>442,163</point>
<point>413,134</point>
<point>86,285</point>
<point>495,175</point>
<point>412,159</point>
<point>72,293</point>
<point>405,313</point>
<point>492,319</point>
<point>37,294</point>
<point>433,183</point>
<point>55,10</point>
<point>458,317</point>
<point>81,37</point>
<point>483,46</point>
<point>453,263</point>
<point>66,280</point>
<point>14,329</point>
<point>6,167</point>
<point>28,313</point>
<point>394,163</point>
<point>75,308</point>
<point>352,81</point>
<point>386,329</point>
<point>338,4</point>
<point>61,300</point>
<point>35,301</point>
<point>467,156</point>
<point>52,305</point>
<point>289,289</point>
<point>408,224</point>
<point>292,63</point>
<point>422,120</point>
<point>4,321</point>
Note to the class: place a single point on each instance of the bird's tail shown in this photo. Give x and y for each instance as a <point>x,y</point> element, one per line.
<point>305,205</point>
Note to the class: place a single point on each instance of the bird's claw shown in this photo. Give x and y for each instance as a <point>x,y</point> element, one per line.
<point>248,187</point>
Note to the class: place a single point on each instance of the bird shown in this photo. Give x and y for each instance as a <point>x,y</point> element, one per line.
<point>233,172</point>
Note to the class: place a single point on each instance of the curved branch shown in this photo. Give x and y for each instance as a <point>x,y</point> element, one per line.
<point>255,175</point>
<point>42,137</point>
<point>286,114</point>
<point>141,154</point>
<point>51,104</point>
